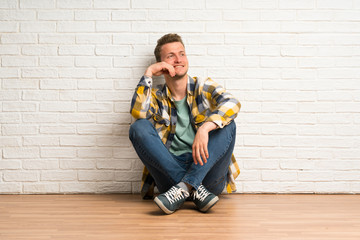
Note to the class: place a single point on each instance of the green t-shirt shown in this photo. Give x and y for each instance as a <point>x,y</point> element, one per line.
<point>184,132</point>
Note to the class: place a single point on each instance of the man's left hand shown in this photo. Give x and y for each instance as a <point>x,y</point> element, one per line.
<point>200,145</point>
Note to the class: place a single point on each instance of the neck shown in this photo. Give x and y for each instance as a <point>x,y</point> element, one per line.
<point>177,87</point>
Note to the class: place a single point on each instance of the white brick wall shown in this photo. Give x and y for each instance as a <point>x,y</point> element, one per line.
<point>68,70</point>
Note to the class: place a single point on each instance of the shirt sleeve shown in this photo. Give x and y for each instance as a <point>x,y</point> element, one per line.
<point>141,103</point>
<point>225,106</point>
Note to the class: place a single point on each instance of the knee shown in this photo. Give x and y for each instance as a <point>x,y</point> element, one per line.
<point>139,129</point>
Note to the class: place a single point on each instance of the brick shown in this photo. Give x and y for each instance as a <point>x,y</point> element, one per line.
<point>95,187</point>
<point>40,118</point>
<point>315,176</point>
<point>21,152</point>
<point>8,4</point>
<point>92,15</point>
<point>41,188</point>
<point>37,4</point>
<point>261,141</point>
<point>296,4</point>
<point>59,15</point>
<point>112,26</point>
<point>224,27</point>
<point>16,15</point>
<point>57,61</point>
<point>78,118</point>
<point>10,165</point>
<point>40,164</point>
<point>114,73</point>
<point>9,142</point>
<point>19,107</point>
<point>130,38</point>
<point>19,61</point>
<point>113,4</point>
<point>57,84</point>
<point>259,4</point>
<point>213,4</point>
<point>60,106</point>
<point>39,72</point>
<point>128,176</point>
<point>114,164</point>
<point>314,15</point>
<point>76,96</point>
<point>74,4</point>
<point>21,176</point>
<point>37,27</point>
<point>279,176</point>
<point>58,152</point>
<point>9,50</point>
<point>10,188</point>
<point>77,141</point>
<point>96,129</point>
<point>41,141</point>
<point>93,62</point>
<point>10,95</point>
<point>8,27</point>
<point>39,50</point>
<point>77,164</point>
<point>15,38</point>
<point>186,4</point>
<point>81,73</point>
<point>95,38</point>
<point>135,15</point>
<point>111,141</point>
<point>95,84</point>
<point>30,95</point>
<point>278,15</point>
<point>56,39</point>
<point>94,152</point>
<point>58,129</point>
<point>278,153</point>
<point>10,118</point>
<point>120,118</point>
<point>94,107</point>
<point>112,50</point>
<point>333,4</point>
<point>96,175</point>
<point>16,130</point>
<point>75,26</point>
<point>58,175</point>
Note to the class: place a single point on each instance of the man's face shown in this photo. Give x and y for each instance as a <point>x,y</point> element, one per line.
<point>174,54</point>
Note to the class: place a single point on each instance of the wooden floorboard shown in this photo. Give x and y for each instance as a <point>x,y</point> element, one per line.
<point>125,216</point>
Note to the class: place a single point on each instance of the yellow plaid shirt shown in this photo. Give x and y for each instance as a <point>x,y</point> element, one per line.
<point>208,102</point>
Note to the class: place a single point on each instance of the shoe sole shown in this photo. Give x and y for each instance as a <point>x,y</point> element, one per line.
<point>209,205</point>
<point>162,206</point>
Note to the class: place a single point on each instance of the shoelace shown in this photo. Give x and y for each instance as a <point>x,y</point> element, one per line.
<point>175,194</point>
<point>201,193</point>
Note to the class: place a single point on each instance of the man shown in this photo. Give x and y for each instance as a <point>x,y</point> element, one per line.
<point>184,132</point>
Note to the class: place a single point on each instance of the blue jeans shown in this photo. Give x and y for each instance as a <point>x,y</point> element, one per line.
<point>168,169</point>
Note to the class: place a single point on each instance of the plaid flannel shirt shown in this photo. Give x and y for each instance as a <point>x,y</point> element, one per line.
<point>208,102</point>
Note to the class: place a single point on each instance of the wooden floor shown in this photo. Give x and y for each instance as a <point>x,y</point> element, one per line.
<point>103,217</point>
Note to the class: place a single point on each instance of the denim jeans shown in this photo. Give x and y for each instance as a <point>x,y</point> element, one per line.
<point>168,169</point>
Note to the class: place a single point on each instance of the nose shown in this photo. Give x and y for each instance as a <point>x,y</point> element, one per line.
<point>177,59</point>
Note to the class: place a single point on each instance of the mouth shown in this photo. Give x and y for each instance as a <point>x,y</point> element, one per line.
<point>178,66</point>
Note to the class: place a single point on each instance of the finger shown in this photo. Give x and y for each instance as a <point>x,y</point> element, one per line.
<point>203,155</point>
<point>194,157</point>
<point>197,155</point>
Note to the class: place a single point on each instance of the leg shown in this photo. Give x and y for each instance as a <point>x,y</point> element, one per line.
<point>220,147</point>
<point>165,170</point>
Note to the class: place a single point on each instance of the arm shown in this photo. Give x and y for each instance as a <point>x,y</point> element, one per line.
<point>141,104</point>
<point>224,110</point>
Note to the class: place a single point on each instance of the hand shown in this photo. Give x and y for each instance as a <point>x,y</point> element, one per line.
<point>200,145</point>
<point>160,68</point>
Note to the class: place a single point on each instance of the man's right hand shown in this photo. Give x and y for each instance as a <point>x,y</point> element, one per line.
<point>160,68</point>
